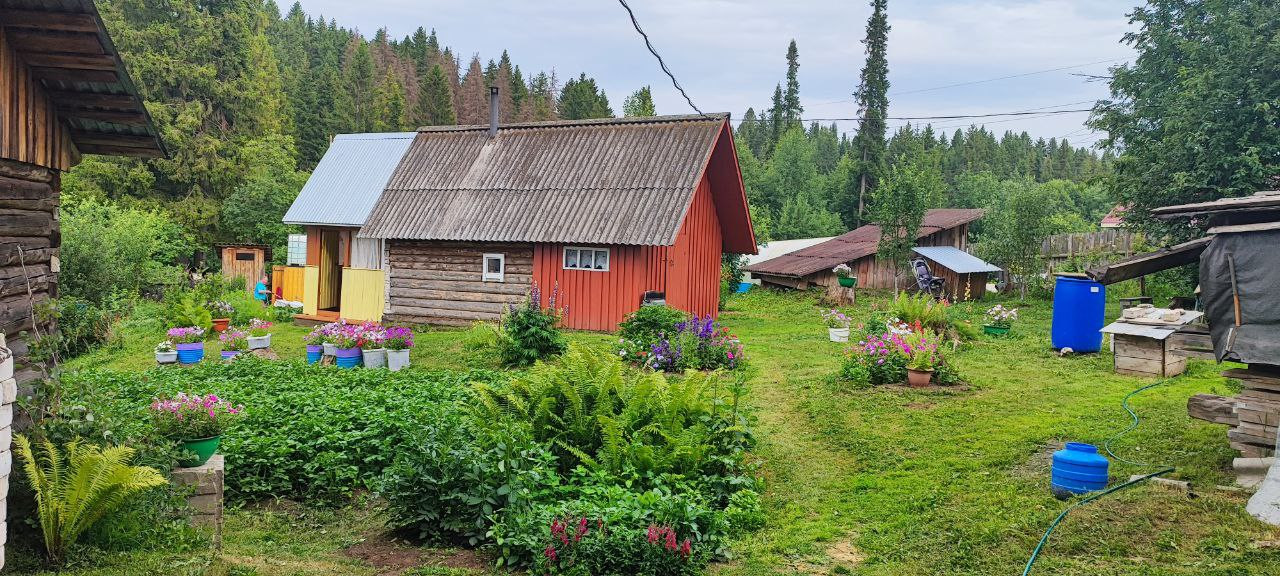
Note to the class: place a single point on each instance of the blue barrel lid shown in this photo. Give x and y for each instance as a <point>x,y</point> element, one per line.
<point>1082,447</point>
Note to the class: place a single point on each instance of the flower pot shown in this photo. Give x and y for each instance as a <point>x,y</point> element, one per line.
<point>397,359</point>
<point>848,281</point>
<point>190,352</point>
<point>347,357</point>
<point>994,330</point>
<point>166,357</point>
<point>375,358</point>
<point>838,334</point>
<point>330,349</point>
<point>204,449</point>
<point>229,354</point>
<point>220,324</point>
<point>314,352</point>
<point>259,342</point>
<point>919,378</point>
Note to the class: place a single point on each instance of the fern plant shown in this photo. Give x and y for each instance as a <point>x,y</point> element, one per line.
<point>75,491</point>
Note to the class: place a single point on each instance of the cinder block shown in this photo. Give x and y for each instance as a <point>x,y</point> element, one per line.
<point>6,415</point>
<point>206,504</point>
<point>6,462</point>
<point>8,390</point>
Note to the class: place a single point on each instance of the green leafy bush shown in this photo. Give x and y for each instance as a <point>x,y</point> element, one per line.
<point>111,249</point>
<point>530,332</point>
<point>649,323</point>
<point>311,433</point>
<point>923,309</point>
<point>666,339</point>
<point>745,513</point>
<point>80,325</point>
<point>182,309</point>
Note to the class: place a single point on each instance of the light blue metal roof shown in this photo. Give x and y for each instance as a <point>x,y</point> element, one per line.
<point>349,179</point>
<point>955,259</point>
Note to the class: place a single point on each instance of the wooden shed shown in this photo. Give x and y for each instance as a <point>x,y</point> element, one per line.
<point>247,261</point>
<point>812,266</point>
<point>64,91</point>
<point>602,210</point>
<point>1142,343</point>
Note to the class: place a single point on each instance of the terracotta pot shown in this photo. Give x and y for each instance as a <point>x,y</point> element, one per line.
<point>919,378</point>
<point>220,324</point>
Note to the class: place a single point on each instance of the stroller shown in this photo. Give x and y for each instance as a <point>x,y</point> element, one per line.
<point>925,279</point>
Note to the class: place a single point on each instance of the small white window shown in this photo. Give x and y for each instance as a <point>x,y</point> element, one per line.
<point>495,265</point>
<point>577,258</point>
<point>297,250</point>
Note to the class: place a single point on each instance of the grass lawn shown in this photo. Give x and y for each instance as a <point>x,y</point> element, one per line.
<point>884,481</point>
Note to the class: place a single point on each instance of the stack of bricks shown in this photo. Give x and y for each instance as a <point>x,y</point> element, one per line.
<point>206,494</point>
<point>8,392</point>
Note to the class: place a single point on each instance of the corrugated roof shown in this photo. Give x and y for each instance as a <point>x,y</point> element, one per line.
<point>606,181</point>
<point>349,179</point>
<point>1264,200</point>
<point>856,244</point>
<point>955,259</point>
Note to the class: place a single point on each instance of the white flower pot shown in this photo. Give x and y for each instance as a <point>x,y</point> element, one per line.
<point>376,358</point>
<point>166,357</point>
<point>330,349</point>
<point>838,334</point>
<point>258,342</point>
<point>397,359</point>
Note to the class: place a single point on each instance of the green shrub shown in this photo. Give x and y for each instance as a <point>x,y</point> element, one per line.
<point>745,513</point>
<point>649,323</point>
<point>107,248</point>
<point>308,432</point>
<point>922,308</point>
<point>80,325</point>
<point>455,473</point>
<point>617,536</point>
<point>246,308</point>
<point>182,309</point>
<point>594,413</point>
<point>531,332</point>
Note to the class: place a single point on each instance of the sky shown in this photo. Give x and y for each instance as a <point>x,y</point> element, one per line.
<point>729,54</point>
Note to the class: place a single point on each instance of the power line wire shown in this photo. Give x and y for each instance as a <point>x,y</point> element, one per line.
<point>983,81</point>
<point>654,51</point>
<point>953,116</point>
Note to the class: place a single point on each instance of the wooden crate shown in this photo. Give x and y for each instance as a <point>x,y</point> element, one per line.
<point>1141,356</point>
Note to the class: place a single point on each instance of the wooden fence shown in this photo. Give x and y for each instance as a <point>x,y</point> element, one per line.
<point>1086,248</point>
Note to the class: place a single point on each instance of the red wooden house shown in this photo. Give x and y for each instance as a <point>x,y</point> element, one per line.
<point>605,210</point>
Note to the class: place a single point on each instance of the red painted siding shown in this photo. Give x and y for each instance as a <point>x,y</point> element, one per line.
<point>694,282</point>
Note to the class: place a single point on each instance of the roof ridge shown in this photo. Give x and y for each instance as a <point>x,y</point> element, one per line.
<point>611,121</point>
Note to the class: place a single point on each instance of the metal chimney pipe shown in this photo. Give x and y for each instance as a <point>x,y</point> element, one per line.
<point>493,111</point>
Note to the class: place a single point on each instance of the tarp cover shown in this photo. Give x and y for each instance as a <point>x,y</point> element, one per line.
<point>1257,267</point>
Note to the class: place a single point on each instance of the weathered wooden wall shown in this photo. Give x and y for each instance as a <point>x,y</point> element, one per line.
<point>441,282</point>
<point>30,130</point>
<point>876,274</point>
<point>249,270</point>
<point>28,221</point>
<point>1089,248</point>
<point>1141,356</point>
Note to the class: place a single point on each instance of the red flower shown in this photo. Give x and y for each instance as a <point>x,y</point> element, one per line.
<point>550,553</point>
<point>582,530</point>
<point>686,549</point>
<point>671,540</point>
<point>652,534</point>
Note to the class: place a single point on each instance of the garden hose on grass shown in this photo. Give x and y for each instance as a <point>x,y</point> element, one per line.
<point>1106,446</point>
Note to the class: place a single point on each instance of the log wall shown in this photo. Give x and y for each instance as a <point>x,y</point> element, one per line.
<point>29,240</point>
<point>441,282</point>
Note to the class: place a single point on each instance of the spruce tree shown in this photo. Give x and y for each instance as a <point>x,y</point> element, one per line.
<point>473,106</point>
<point>435,100</point>
<point>872,97</point>
<point>777,113</point>
<point>390,110</point>
<point>791,108</point>
<point>639,103</point>
<point>581,99</point>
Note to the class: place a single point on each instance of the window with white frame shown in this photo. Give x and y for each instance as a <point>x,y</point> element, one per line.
<point>495,265</point>
<point>297,250</point>
<point>579,258</point>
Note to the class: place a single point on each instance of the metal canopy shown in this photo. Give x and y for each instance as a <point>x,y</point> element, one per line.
<point>955,259</point>
<point>349,179</point>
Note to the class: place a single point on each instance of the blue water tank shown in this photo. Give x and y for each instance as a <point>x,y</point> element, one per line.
<point>1079,311</point>
<point>1077,469</point>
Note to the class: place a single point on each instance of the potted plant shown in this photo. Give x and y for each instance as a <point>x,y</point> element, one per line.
<point>346,342</point>
<point>221,311</point>
<point>234,341</point>
<point>923,357</point>
<point>189,341</point>
<point>259,334</point>
<point>999,320</point>
<point>330,332</point>
<point>398,340</point>
<point>196,422</point>
<point>844,274</point>
<point>166,353</point>
<point>372,350</point>
<point>315,342</point>
<point>837,325</point>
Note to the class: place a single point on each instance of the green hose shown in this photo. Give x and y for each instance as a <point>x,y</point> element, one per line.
<point>1106,446</point>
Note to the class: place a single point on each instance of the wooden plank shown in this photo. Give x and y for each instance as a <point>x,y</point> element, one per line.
<point>401,292</point>
<point>25,171</point>
<point>44,20</point>
<point>82,138</point>
<point>1174,365</point>
<point>28,40</point>
<point>456,286</point>
<point>1138,347</point>
<point>450,304</point>
<point>1260,417</point>
<point>1212,408</point>
<point>442,313</point>
<point>1138,366</point>
<point>73,61</point>
<point>1191,345</point>
<point>69,99</point>
<point>71,76</point>
<point>121,151</point>
<point>510,277</point>
<point>132,118</point>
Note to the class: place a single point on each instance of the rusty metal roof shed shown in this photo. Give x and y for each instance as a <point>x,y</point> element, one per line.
<point>348,179</point>
<point>604,181</point>
<point>69,51</point>
<point>856,244</point>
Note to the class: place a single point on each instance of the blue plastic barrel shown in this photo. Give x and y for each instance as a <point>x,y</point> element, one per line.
<point>743,287</point>
<point>1079,311</point>
<point>1078,469</point>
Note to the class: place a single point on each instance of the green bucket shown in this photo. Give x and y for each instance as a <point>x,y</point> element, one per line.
<point>204,449</point>
<point>994,330</point>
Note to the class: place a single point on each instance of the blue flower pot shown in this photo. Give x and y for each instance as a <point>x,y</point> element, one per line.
<point>314,353</point>
<point>229,354</point>
<point>348,357</point>
<point>190,352</point>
